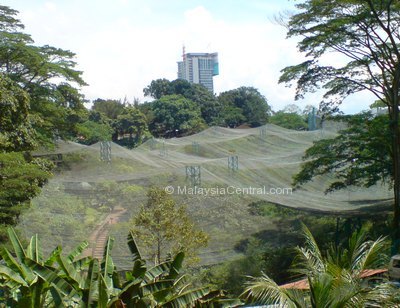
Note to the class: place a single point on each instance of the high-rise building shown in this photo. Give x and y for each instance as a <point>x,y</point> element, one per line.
<point>199,68</point>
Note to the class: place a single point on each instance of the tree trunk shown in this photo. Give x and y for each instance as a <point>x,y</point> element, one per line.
<point>158,261</point>
<point>396,173</point>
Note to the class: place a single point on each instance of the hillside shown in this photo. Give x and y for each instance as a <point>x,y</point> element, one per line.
<point>267,159</point>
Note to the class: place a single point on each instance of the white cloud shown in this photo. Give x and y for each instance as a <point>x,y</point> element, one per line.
<point>50,6</point>
<point>122,50</point>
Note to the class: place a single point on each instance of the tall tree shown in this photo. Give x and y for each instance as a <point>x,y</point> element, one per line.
<point>174,116</point>
<point>165,227</point>
<point>290,120</point>
<point>21,176</point>
<point>254,105</point>
<point>16,131</point>
<point>111,108</point>
<point>46,73</point>
<point>90,132</point>
<point>158,88</point>
<point>359,156</point>
<point>132,122</point>
<point>292,108</point>
<point>366,33</point>
<point>38,99</point>
<point>210,107</point>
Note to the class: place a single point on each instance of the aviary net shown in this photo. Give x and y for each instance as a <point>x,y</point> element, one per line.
<point>216,173</point>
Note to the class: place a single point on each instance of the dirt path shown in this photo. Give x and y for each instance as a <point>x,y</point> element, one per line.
<point>98,238</point>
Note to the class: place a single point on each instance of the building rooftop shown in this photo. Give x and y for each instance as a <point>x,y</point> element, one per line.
<point>303,283</point>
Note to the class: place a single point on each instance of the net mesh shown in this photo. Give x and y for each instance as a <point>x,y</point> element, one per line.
<point>89,198</point>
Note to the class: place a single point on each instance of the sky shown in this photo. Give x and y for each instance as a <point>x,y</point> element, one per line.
<point>122,45</point>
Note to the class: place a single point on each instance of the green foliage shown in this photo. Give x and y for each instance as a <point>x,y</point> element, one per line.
<point>131,122</point>
<point>175,115</point>
<point>359,156</point>
<point>344,26</point>
<point>90,132</point>
<point>60,218</point>
<point>164,228</point>
<point>288,120</point>
<point>46,73</point>
<point>378,104</point>
<point>20,176</point>
<point>29,280</point>
<point>231,276</point>
<point>233,116</point>
<point>20,181</point>
<point>16,132</point>
<point>158,88</point>
<point>332,283</point>
<point>366,35</point>
<point>231,108</point>
<point>108,107</point>
<point>111,192</point>
<point>209,106</point>
<point>254,107</point>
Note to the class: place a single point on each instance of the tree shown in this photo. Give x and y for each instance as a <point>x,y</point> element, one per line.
<point>254,106</point>
<point>377,104</point>
<point>21,176</point>
<point>209,106</point>
<point>131,122</point>
<point>90,132</point>
<point>174,116</point>
<point>292,108</point>
<point>288,120</point>
<point>334,278</point>
<point>47,74</point>
<point>366,34</point>
<point>111,108</point>
<point>38,101</point>
<point>233,116</point>
<point>16,131</point>
<point>158,88</point>
<point>359,156</point>
<point>166,228</point>
<point>20,180</point>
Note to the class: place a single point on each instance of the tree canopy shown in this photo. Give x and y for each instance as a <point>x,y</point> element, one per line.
<point>131,122</point>
<point>367,36</point>
<point>288,120</point>
<point>250,102</point>
<point>174,116</point>
<point>39,99</point>
<point>359,156</point>
<point>164,227</point>
<point>46,73</point>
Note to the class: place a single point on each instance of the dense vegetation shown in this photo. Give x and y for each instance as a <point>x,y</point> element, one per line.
<point>365,34</point>
<point>41,101</point>
<point>273,251</point>
<point>30,280</point>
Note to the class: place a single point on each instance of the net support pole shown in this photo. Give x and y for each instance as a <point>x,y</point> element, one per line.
<point>105,151</point>
<point>233,163</point>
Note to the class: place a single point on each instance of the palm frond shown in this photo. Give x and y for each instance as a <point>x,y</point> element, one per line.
<point>263,290</point>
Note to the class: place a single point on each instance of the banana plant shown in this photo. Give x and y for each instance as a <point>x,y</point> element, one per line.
<point>29,280</point>
<point>163,286</point>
